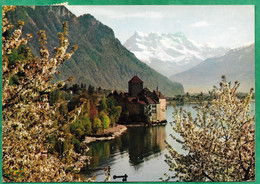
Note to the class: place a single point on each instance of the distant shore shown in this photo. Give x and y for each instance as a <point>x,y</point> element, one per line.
<point>108,134</point>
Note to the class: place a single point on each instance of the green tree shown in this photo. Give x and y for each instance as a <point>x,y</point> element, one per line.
<point>97,125</point>
<point>110,102</point>
<point>76,144</point>
<point>55,96</point>
<point>87,124</point>
<point>114,111</point>
<point>77,128</point>
<point>91,89</point>
<point>219,142</point>
<point>103,104</point>
<point>105,121</point>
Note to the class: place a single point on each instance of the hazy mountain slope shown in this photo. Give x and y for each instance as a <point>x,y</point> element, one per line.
<point>238,64</point>
<point>170,53</point>
<point>101,60</point>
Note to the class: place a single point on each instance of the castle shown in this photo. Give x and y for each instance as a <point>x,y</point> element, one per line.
<point>140,105</point>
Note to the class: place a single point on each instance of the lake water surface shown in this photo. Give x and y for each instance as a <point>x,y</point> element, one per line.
<point>139,152</point>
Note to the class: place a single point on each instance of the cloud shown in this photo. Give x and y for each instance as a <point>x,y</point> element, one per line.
<point>115,12</point>
<point>232,28</point>
<point>200,24</point>
<point>145,14</point>
<point>126,14</point>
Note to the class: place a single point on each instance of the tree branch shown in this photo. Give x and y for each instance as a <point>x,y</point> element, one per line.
<point>211,179</point>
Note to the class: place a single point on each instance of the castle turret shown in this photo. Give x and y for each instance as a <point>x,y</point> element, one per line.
<point>135,86</point>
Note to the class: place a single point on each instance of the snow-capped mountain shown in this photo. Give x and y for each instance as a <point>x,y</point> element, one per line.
<point>170,54</point>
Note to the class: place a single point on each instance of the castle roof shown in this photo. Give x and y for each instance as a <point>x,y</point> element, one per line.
<point>158,95</point>
<point>151,100</point>
<point>135,79</point>
<point>141,102</point>
<point>145,92</point>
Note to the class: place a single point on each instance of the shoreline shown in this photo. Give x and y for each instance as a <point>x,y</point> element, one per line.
<point>109,134</point>
<point>118,130</point>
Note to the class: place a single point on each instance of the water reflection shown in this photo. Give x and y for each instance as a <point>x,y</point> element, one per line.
<point>138,142</point>
<point>142,142</point>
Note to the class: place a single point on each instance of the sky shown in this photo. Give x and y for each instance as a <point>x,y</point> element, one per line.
<point>229,26</point>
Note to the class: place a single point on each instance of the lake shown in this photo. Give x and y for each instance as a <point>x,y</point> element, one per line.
<point>139,152</point>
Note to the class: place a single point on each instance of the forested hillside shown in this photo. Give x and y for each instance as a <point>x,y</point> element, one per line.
<point>100,60</point>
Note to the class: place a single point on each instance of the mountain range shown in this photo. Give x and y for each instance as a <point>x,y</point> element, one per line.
<point>237,65</point>
<point>170,53</point>
<point>101,60</point>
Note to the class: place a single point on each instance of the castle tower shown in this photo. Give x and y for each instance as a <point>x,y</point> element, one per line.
<point>135,86</point>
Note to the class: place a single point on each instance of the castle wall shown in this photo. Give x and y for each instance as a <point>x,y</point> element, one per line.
<point>162,110</point>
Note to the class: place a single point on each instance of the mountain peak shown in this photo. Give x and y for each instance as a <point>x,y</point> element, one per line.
<point>60,11</point>
<point>139,34</point>
<point>170,53</point>
<point>87,16</point>
<point>180,34</point>
<point>155,34</point>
